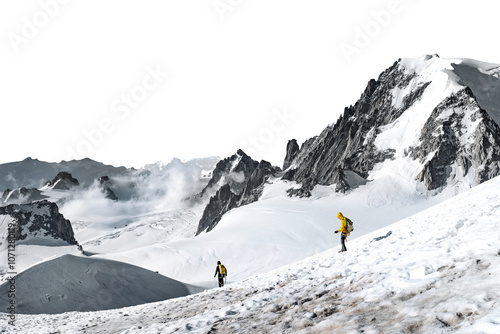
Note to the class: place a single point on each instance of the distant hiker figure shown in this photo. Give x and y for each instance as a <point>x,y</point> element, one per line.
<point>222,272</point>
<point>345,229</point>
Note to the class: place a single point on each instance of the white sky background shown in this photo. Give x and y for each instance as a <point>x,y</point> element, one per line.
<point>79,84</point>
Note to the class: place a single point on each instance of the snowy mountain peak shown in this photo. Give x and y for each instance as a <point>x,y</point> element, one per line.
<point>420,121</point>
<point>62,181</point>
<point>236,181</point>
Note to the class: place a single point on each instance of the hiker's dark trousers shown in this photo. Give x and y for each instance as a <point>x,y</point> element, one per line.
<point>342,241</point>
<point>221,281</point>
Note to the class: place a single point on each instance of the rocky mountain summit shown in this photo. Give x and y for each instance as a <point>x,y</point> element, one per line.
<point>38,220</point>
<point>62,181</point>
<point>105,184</point>
<point>292,149</point>
<point>236,181</point>
<point>348,147</point>
<point>435,121</point>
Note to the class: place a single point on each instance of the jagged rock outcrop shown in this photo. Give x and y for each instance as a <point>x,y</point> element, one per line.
<point>237,180</point>
<point>63,181</point>
<point>223,201</point>
<point>456,138</point>
<point>442,138</point>
<point>304,191</point>
<point>292,149</point>
<point>38,219</point>
<point>233,171</point>
<point>105,185</point>
<point>256,182</point>
<point>347,147</point>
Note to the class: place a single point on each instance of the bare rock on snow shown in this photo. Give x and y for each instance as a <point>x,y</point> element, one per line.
<point>441,135</point>
<point>106,184</point>
<point>460,132</point>
<point>63,181</point>
<point>39,220</point>
<point>292,149</point>
<point>239,180</point>
<point>348,145</point>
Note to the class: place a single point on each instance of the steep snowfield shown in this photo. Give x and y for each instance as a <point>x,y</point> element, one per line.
<point>434,272</point>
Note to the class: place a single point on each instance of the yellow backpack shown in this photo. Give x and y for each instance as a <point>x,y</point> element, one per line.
<point>222,269</point>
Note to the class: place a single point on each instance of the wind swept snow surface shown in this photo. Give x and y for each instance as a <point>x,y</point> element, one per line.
<point>434,272</point>
<point>72,283</point>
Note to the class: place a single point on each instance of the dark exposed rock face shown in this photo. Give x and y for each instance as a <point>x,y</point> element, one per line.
<point>233,171</point>
<point>256,182</point>
<point>441,135</point>
<point>344,153</point>
<point>304,191</point>
<point>105,184</point>
<point>292,149</point>
<point>458,136</point>
<point>39,219</point>
<point>223,201</point>
<point>63,181</point>
<point>237,181</point>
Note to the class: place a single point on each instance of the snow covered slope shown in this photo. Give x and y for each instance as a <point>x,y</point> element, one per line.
<point>79,283</point>
<point>434,272</point>
<point>274,231</point>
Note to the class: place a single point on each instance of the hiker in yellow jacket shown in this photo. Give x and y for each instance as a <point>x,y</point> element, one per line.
<point>343,231</point>
<point>222,272</point>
